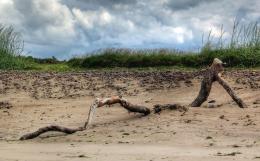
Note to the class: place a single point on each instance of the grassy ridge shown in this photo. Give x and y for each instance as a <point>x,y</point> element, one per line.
<point>237,57</point>
<point>242,50</point>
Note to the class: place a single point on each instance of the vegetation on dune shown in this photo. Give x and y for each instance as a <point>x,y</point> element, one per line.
<point>10,41</point>
<point>241,50</point>
<point>237,57</point>
<point>11,47</point>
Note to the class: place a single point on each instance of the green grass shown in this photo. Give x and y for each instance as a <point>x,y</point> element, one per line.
<point>60,67</point>
<point>241,51</point>
<point>10,62</point>
<point>11,46</point>
<point>236,57</point>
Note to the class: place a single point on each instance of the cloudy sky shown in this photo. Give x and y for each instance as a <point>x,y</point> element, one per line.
<point>64,28</point>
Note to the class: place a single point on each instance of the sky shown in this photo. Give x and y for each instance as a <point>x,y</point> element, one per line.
<point>66,28</point>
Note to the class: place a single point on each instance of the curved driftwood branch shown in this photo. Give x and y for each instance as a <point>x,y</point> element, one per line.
<point>97,103</point>
<point>51,128</point>
<point>211,75</point>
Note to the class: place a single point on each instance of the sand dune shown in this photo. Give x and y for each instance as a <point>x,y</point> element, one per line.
<point>215,131</point>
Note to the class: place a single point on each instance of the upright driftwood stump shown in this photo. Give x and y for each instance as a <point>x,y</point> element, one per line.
<point>211,75</point>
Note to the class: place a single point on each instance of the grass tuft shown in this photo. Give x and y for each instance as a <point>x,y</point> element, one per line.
<point>11,46</point>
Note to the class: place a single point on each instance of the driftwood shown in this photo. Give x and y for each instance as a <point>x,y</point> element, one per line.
<point>158,108</point>
<point>51,128</point>
<point>102,102</point>
<point>211,75</point>
<point>97,103</point>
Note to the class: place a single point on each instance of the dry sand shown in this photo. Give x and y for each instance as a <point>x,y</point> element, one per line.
<point>32,100</point>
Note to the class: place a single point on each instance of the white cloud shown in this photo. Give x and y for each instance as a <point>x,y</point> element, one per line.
<point>56,20</point>
<point>62,27</point>
<point>166,34</point>
<point>8,14</point>
<point>84,18</point>
<point>90,19</point>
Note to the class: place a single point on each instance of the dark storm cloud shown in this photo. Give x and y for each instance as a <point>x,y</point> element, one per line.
<point>94,4</point>
<point>67,27</point>
<point>185,4</point>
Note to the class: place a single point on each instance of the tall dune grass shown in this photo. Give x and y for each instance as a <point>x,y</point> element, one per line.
<point>241,50</point>
<point>11,46</point>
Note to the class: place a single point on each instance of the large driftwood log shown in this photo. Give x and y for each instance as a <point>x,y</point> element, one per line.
<point>214,74</point>
<point>97,103</point>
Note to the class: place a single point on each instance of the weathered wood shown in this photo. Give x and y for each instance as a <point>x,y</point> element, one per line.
<point>134,108</point>
<point>205,89</point>
<point>224,84</point>
<point>211,75</point>
<point>97,103</point>
<point>158,108</point>
<point>51,128</point>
